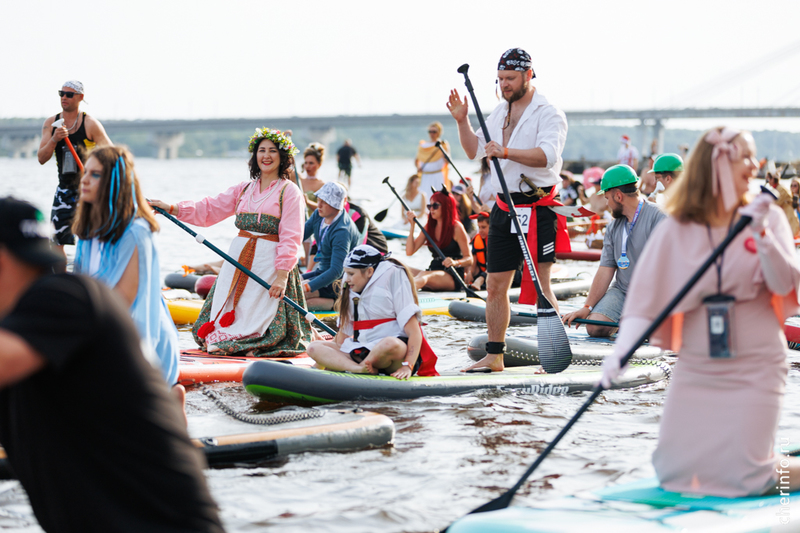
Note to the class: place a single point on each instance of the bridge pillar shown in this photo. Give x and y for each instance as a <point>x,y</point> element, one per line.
<point>644,145</point>
<point>168,144</point>
<point>658,134</point>
<point>23,146</point>
<point>326,136</point>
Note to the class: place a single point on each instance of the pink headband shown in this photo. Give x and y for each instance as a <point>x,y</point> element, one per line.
<point>721,174</point>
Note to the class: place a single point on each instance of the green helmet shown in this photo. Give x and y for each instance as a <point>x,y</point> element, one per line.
<point>667,163</point>
<point>617,176</point>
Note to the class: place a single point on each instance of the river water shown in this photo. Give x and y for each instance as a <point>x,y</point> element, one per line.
<point>449,454</point>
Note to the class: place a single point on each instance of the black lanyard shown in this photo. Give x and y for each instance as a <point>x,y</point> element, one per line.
<point>719,262</point>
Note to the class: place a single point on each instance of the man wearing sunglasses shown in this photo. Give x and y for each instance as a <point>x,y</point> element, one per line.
<point>84,132</point>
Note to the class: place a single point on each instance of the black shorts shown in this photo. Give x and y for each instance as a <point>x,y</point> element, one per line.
<point>436,264</point>
<point>62,213</point>
<point>359,354</point>
<point>346,169</point>
<point>503,250</point>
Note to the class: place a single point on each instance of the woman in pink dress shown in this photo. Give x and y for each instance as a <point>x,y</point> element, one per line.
<point>721,415</point>
<point>240,316</point>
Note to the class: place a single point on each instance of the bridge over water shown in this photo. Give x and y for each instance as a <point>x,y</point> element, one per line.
<point>23,139</point>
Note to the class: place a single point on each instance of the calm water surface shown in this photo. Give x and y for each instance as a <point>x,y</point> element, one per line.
<point>449,454</point>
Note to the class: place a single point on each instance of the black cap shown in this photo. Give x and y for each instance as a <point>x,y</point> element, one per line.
<point>24,232</point>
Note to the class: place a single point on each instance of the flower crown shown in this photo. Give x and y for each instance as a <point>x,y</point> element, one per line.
<point>281,140</point>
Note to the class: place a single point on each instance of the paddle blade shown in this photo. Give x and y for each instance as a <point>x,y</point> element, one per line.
<point>381,215</point>
<point>555,354</point>
<point>501,502</point>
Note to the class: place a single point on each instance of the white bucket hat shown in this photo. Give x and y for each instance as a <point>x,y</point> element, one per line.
<point>333,194</point>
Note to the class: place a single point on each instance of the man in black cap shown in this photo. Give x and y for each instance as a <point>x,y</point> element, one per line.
<point>529,135</point>
<point>88,424</point>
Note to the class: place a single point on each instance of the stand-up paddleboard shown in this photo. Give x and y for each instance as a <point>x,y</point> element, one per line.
<point>288,383</point>
<point>562,290</point>
<point>474,310</point>
<point>641,507</point>
<point>580,255</point>
<point>187,311</point>
<point>196,366</point>
<point>177,280</point>
<point>522,351</point>
<point>184,311</point>
<point>394,233</point>
<point>225,440</point>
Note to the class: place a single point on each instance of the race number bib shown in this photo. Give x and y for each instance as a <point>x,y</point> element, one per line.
<point>524,216</point>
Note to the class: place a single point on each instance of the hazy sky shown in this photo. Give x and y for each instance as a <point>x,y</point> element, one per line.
<point>237,58</point>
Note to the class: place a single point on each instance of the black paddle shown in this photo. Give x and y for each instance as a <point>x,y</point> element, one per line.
<point>382,214</point>
<point>439,146</point>
<point>555,353</point>
<point>504,500</point>
<point>199,238</point>
<point>450,270</point>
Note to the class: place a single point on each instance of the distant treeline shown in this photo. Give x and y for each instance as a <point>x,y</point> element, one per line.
<point>584,142</point>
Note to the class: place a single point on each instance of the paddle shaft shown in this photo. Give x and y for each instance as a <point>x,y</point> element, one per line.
<point>234,262</point>
<point>512,212</point>
<point>504,500</point>
<point>475,196</point>
<point>450,269</point>
<point>382,214</point>
<point>57,124</point>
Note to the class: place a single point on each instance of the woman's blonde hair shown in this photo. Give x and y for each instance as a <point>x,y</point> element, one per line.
<point>315,149</point>
<point>342,304</point>
<point>107,219</point>
<point>691,199</point>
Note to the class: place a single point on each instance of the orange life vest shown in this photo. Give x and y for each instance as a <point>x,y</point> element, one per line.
<point>479,251</point>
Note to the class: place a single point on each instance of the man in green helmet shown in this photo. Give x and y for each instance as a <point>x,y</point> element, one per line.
<point>634,221</point>
<point>667,168</point>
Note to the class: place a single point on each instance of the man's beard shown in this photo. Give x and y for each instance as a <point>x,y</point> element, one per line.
<point>617,212</point>
<point>516,95</point>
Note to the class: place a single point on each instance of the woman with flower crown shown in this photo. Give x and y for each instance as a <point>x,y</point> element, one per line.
<point>240,316</point>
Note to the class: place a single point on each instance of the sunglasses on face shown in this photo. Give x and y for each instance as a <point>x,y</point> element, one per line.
<point>433,131</point>
<point>434,205</point>
<point>68,94</point>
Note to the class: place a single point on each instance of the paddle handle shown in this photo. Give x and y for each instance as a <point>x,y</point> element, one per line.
<point>512,212</point>
<point>439,146</point>
<point>234,262</point>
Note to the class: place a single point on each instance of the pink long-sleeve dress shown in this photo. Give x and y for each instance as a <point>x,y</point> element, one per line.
<point>245,319</point>
<point>721,415</point>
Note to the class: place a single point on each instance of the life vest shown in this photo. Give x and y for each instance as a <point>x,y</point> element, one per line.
<point>479,251</point>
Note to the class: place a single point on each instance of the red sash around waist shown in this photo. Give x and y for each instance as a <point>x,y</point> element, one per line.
<point>528,293</point>
<point>427,366</point>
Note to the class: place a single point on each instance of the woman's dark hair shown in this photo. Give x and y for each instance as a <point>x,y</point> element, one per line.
<point>287,162</point>
<point>449,218</point>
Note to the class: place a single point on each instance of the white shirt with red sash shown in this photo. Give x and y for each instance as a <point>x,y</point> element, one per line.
<point>542,125</point>
<point>387,295</point>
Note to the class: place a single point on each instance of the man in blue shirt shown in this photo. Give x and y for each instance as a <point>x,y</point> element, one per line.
<point>336,235</point>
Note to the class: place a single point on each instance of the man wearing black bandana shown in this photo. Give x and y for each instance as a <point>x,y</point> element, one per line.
<point>529,134</point>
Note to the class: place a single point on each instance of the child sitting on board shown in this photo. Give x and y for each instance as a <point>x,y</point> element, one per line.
<point>379,321</point>
<point>476,275</point>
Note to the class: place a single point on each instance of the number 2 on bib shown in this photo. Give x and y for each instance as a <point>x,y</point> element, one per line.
<point>524,216</point>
